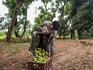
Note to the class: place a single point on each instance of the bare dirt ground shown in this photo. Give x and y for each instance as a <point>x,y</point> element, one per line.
<point>69,55</point>
<point>73,55</point>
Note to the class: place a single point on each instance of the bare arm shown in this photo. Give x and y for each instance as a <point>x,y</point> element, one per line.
<point>50,39</point>
<point>41,28</point>
<point>53,35</point>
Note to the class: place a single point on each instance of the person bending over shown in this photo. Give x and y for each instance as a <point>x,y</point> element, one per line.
<point>49,28</point>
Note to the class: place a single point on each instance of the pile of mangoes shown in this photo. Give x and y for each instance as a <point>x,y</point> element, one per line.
<point>41,55</point>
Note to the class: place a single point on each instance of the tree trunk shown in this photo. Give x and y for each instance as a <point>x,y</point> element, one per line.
<point>10,28</point>
<point>16,33</point>
<point>13,21</point>
<point>24,27</point>
<point>16,30</point>
<point>76,35</point>
<point>24,30</point>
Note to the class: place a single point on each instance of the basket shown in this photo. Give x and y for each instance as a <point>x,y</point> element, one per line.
<point>39,41</point>
<point>40,66</point>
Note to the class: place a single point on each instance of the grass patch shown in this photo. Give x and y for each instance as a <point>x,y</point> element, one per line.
<point>2,37</point>
<point>1,66</point>
<point>15,46</point>
<point>13,52</point>
<point>21,44</point>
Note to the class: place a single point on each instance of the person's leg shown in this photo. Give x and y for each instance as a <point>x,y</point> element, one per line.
<point>32,44</point>
<point>51,48</point>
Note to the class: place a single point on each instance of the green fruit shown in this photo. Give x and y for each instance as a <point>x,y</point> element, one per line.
<point>41,55</point>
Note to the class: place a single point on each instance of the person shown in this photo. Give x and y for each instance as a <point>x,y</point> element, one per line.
<point>51,28</point>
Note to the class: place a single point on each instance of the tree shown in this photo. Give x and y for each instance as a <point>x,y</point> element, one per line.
<point>22,22</point>
<point>46,13</point>
<point>1,25</point>
<point>81,18</point>
<point>15,6</point>
<point>62,6</point>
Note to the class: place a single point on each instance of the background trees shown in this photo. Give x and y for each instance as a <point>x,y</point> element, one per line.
<point>16,7</point>
<point>74,15</point>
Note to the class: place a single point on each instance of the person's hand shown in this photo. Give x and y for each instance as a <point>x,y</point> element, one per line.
<point>50,39</point>
<point>45,33</point>
<point>39,28</point>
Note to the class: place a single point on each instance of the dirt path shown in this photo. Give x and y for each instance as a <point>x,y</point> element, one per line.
<point>69,55</point>
<point>73,55</point>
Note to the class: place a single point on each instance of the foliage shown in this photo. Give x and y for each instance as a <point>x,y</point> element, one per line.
<point>81,18</point>
<point>1,21</point>
<point>46,12</point>
<point>16,8</point>
<point>74,15</point>
<point>63,8</point>
<point>21,21</point>
<point>13,52</point>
